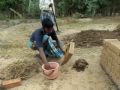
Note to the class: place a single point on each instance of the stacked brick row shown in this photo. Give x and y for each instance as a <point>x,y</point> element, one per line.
<point>110,59</point>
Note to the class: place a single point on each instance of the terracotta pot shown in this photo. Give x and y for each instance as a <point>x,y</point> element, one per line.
<point>52,73</point>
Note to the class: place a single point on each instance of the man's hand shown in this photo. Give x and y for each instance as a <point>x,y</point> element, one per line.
<point>47,66</point>
<point>50,5</point>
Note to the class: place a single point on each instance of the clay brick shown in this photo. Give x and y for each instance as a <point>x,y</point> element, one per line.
<point>105,57</point>
<point>110,60</point>
<point>116,74</point>
<point>116,58</point>
<point>11,83</point>
<point>65,48</point>
<point>113,44</point>
<point>72,47</point>
<point>107,61</point>
<point>108,66</point>
<point>69,53</point>
<point>103,60</point>
<point>116,68</point>
<point>113,59</point>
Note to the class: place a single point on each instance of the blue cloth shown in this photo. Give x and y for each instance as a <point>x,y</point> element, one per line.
<point>51,50</point>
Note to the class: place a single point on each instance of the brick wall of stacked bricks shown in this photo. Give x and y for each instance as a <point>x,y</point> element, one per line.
<point>110,59</point>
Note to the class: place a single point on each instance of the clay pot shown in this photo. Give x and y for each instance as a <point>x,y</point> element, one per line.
<point>52,73</point>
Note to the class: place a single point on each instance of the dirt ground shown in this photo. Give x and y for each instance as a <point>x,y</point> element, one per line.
<point>91,79</point>
<point>13,45</point>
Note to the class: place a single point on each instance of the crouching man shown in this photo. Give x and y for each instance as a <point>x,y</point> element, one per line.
<point>46,42</point>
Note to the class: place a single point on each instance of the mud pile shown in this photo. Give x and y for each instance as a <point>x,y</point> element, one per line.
<point>80,65</point>
<point>92,37</point>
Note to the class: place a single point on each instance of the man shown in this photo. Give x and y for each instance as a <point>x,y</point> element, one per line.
<point>46,9</point>
<point>46,41</point>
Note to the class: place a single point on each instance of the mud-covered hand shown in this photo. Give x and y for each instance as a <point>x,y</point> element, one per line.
<point>47,66</point>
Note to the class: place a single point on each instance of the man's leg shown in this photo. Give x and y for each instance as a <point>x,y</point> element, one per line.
<point>56,52</point>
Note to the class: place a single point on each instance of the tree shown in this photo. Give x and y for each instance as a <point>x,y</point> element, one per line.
<point>63,7</point>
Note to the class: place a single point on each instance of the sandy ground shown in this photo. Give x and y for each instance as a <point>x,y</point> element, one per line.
<point>13,43</point>
<point>93,78</point>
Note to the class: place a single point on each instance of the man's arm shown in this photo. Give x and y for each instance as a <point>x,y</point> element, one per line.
<point>51,5</point>
<point>42,55</point>
<point>39,45</point>
<point>43,58</point>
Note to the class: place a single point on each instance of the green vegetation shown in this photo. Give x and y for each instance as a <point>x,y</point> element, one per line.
<point>75,8</point>
<point>88,7</point>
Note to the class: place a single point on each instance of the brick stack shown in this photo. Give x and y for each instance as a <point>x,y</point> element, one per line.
<point>110,59</point>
